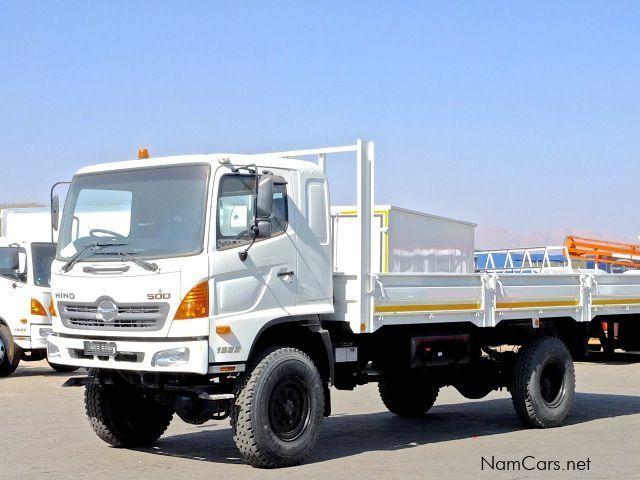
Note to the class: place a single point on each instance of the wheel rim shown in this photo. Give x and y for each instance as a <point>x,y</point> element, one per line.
<point>552,387</point>
<point>2,350</point>
<point>289,409</point>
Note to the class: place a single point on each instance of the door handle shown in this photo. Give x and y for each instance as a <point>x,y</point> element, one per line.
<point>288,273</point>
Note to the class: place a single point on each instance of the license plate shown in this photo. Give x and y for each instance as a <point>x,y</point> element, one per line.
<point>102,349</point>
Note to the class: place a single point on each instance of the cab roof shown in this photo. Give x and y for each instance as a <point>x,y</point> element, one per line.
<point>214,159</point>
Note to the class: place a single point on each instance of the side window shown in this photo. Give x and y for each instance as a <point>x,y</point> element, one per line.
<point>235,210</point>
<point>280,213</point>
<point>317,209</point>
<point>5,259</point>
<point>42,255</point>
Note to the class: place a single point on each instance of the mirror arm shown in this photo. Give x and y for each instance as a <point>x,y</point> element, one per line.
<point>243,254</point>
<point>254,234</point>
<point>249,168</point>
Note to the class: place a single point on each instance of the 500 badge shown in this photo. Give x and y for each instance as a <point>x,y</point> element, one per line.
<point>158,296</point>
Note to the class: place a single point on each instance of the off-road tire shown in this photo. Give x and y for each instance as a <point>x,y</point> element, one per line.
<point>62,368</point>
<point>254,423</point>
<point>12,353</point>
<point>407,394</point>
<point>123,417</point>
<point>543,383</point>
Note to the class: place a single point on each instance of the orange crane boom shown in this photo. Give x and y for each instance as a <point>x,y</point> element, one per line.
<point>603,251</point>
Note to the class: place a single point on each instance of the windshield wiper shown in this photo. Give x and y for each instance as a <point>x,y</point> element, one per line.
<point>152,267</point>
<point>78,255</point>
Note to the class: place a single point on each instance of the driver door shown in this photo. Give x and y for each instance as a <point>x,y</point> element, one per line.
<point>264,285</point>
<point>14,294</point>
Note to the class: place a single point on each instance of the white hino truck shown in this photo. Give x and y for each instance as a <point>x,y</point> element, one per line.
<point>26,252</point>
<point>24,297</point>
<point>227,286</point>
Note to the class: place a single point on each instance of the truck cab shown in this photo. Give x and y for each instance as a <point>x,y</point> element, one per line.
<point>24,300</point>
<point>166,265</point>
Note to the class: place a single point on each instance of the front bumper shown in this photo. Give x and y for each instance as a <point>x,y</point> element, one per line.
<point>135,355</point>
<point>37,340</point>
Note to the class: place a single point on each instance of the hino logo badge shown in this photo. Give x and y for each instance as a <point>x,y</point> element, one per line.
<point>106,311</point>
<point>66,296</point>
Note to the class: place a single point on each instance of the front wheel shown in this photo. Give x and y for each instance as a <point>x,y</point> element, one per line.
<point>278,409</point>
<point>10,353</point>
<point>543,383</point>
<point>124,417</point>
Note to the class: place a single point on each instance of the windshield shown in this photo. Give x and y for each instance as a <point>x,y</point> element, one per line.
<point>42,254</point>
<point>148,212</point>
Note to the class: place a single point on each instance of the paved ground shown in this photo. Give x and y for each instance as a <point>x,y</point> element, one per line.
<point>44,434</point>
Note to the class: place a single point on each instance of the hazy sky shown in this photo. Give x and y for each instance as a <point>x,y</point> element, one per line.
<point>525,117</point>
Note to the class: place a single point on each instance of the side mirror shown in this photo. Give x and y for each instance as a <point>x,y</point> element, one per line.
<point>55,210</point>
<point>10,261</point>
<point>264,200</point>
<point>262,229</point>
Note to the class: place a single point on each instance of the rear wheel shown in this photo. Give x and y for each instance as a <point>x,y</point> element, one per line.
<point>124,417</point>
<point>543,383</point>
<point>278,410</point>
<point>10,353</point>
<point>408,394</point>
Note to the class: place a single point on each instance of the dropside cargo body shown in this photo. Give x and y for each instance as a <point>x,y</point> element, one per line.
<point>404,241</point>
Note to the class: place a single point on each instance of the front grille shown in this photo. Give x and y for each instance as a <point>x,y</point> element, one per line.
<point>145,317</point>
<point>121,309</point>
<point>116,324</point>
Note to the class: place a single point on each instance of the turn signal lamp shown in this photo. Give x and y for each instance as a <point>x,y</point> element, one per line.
<point>143,153</point>
<point>37,308</point>
<point>195,304</point>
<point>52,309</point>
<point>223,329</point>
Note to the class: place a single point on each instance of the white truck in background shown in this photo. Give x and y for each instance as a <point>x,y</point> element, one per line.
<point>226,286</point>
<point>25,271</point>
<point>26,224</point>
<point>26,253</point>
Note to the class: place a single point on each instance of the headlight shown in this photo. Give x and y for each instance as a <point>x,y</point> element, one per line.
<point>45,332</point>
<point>171,358</point>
